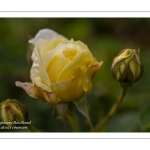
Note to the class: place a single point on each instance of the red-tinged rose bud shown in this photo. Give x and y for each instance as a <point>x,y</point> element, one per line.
<point>13,110</point>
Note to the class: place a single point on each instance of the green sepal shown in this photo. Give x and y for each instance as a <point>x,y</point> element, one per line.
<point>81,105</point>
<point>61,108</point>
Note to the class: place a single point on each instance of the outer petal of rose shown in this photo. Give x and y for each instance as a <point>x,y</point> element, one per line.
<point>35,73</point>
<point>51,97</point>
<point>70,89</point>
<point>45,45</point>
<point>90,72</point>
<point>30,89</point>
<point>46,34</point>
<point>38,93</point>
<point>38,73</point>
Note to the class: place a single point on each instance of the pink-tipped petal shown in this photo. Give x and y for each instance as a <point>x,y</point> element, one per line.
<point>30,89</point>
<point>38,93</point>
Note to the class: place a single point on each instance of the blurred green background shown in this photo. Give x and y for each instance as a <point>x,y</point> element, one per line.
<point>105,37</point>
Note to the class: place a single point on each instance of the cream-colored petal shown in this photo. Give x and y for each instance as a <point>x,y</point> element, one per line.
<point>89,74</point>
<point>34,72</point>
<point>81,44</point>
<point>57,59</point>
<point>30,89</point>
<point>57,51</point>
<point>36,92</point>
<point>56,65</point>
<point>45,45</point>
<point>51,97</point>
<point>38,69</point>
<point>83,59</point>
<point>46,34</point>
<point>70,89</point>
<point>43,86</point>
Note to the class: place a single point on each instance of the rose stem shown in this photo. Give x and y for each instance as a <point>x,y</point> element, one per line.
<point>112,110</point>
<point>90,124</point>
<point>74,124</point>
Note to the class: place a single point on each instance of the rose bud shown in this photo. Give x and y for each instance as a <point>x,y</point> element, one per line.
<point>62,69</point>
<point>13,110</point>
<point>127,66</point>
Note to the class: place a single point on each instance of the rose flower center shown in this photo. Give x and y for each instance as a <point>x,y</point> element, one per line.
<point>70,53</point>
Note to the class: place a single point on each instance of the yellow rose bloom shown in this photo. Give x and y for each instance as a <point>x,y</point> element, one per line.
<point>62,69</point>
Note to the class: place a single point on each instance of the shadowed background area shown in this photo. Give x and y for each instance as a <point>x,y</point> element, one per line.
<point>105,37</point>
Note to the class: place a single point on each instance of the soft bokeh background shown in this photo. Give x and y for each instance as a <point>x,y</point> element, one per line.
<point>105,37</point>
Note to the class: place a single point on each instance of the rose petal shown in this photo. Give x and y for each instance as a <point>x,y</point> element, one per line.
<point>83,59</point>
<point>79,43</point>
<point>38,93</point>
<point>46,34</point>
<point>90,72</point>
<point>45,45</point>
<point>51,54</point>
<point>70,89</point>
<point>51,97</point>
<point>38,70</point>
<point>58,50</point>
<point>56,60</point>
<point>30,89</point>
<point>64,89</point>
<point>43,86</point>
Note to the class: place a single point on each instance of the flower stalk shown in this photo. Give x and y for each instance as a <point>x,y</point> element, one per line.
<point>112,110</point>
<point>90,124</point>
